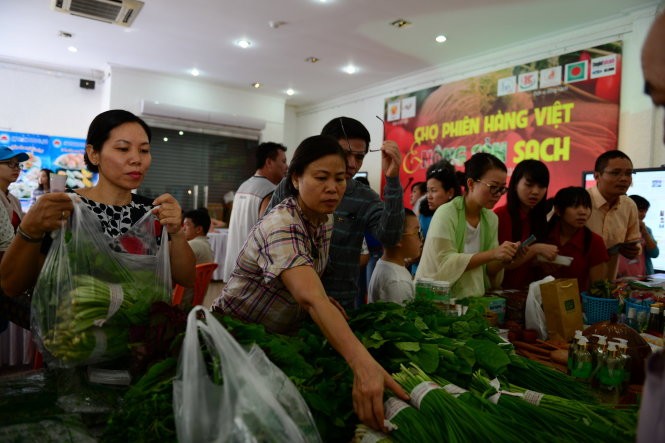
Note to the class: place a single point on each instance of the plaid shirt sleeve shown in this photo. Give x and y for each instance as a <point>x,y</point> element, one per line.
<point>283,247</point>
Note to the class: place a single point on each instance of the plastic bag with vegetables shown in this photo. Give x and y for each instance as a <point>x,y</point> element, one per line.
<point>220,396</point>
<point>92,288</point>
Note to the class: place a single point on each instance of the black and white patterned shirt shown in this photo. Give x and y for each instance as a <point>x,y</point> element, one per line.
<point>116,220</point>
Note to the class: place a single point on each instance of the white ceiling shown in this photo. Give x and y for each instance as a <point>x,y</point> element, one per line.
<point>174,36</point>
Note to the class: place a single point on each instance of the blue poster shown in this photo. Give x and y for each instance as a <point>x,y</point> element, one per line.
<point>66,157</point>
<point>62,155</point>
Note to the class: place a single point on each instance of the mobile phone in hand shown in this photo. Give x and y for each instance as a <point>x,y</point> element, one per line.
<point>527,242</point>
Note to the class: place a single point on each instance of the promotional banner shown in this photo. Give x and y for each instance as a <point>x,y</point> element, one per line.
<point>62,155</point>
<point>562,110</point>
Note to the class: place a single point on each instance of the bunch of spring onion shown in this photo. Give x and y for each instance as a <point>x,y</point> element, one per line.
<point>533,375</point>
<point>92,320</point>
<point>607,422</point>
<point>454,420</point>
<point>365,434</point>
<point>491,417</point>
<point>406,423</point>
<point>561,426</point>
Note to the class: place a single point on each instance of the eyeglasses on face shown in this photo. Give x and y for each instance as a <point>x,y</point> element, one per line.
<point>13,164</point>
<point>618,172</point>
<point>494,189</point>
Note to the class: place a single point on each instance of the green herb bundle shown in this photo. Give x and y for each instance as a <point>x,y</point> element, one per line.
<point>455,421</point>
<point>365,434</point>
<point>551,424</point>
<point>408,424</point>
<point>594,421</point>
<point>91,324</point>
<point>535,376</point>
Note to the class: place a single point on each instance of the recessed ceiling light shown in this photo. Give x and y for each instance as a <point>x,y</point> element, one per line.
<point>180,133</point>
<point>400,23</point>
<point>290,91</point>
<point>166,139</point>
<point>195,72</point>
<point>72,49</point>
<point>243,43</point>
<point>312,59</point>
<point>350,69</point>
<point>256,85</point>
<point>441,38</point>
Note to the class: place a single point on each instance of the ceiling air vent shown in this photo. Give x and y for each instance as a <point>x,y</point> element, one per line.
<point>118,12</point>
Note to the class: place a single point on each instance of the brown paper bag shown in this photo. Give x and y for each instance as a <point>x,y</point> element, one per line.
<point>562,307</point>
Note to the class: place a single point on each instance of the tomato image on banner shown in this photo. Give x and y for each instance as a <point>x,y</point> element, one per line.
<point>576,72</point>
<point>518,113</point>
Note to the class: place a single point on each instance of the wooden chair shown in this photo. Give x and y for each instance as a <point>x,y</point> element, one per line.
<point>203,276</point>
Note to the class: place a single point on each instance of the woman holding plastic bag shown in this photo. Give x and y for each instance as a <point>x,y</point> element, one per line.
<point>276,280</point>
<point>100,271</point>
<point>118,147</point>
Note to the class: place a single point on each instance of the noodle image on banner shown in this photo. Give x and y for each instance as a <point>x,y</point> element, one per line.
<point>563,111</point>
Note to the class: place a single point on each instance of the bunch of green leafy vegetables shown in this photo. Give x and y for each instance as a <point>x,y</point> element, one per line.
<point>449,347</point>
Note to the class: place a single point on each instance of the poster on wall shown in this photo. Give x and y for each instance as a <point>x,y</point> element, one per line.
<point>62,155</point>
<point>563,110</point>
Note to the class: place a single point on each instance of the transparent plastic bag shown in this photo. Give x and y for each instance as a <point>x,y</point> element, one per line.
<point>246,405</point>
<point>89,293</point>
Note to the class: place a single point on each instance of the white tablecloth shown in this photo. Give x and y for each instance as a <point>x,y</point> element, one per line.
<point>218,241</point>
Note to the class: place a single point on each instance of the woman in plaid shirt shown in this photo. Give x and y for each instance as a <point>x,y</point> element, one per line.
<point>276,280</point>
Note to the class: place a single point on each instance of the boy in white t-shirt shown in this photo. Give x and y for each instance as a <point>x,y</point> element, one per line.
<point>391,280</point>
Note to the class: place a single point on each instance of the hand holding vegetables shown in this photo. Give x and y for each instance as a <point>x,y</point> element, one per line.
<point>368,383</point>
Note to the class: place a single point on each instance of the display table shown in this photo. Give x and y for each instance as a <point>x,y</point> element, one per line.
<point>218,240</point>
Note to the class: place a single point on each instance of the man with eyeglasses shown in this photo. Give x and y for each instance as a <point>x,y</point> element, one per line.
<point>614,216</point>
<point>651,424</point>
<point>361,209</point>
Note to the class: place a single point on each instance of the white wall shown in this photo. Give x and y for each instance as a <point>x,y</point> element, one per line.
<point>129,87</point>
<point>640,132</point>
<point>46,102</point>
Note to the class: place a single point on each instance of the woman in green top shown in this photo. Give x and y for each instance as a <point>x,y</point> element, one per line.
<point>462,245</point>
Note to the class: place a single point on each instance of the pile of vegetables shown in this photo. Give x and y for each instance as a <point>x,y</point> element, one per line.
<point>462,363</point>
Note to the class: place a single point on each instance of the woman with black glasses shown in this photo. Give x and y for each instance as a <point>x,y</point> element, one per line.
<point>462,246</point>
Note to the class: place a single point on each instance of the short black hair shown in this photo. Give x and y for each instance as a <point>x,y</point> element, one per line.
<point>267,150</point>
<point>310,150</point>
<point>341,128</point>
<point>604,158</point>
<point>534,171</point>
<point>420,186</point>
<point>480,163</point>
<point>444,172</point>
<point>641,202</point>
<point>102,125</point>
<point>572,197</point>
<point>199,217</point>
